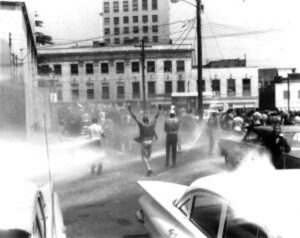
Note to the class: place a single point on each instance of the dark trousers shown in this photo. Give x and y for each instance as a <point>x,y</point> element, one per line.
<point>171,144</point>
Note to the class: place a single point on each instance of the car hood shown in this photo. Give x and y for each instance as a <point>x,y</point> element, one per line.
<point>158,191</point>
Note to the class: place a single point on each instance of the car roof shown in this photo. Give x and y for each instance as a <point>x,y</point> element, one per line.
<point>17,204</point>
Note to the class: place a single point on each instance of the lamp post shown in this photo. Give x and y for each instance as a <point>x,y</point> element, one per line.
<point>199,55</point>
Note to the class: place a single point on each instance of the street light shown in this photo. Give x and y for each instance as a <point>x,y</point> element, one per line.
<point>199,55</point>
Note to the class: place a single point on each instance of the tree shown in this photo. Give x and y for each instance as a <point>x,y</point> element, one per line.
<point>41,38</point>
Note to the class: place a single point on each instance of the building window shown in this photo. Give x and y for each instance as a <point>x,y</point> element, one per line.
<point>154,28</point>
<point>180,86</point>
<point>125,20</point>
<point>117,41</point>
<point>231,87</point>
<point>135,29</point>
<point>135,67</point>
<point>120,67</point>
<point>74,68</point>
<point>145,5</point>
<point>136,90</point>
<point>146,39</point>
<point>59,94</point>
<point>107,41</point>
<point>106,6</point>
<point>155,38</point>
<point>106,21</point>
<point>285,94</point>
<point>125,6</point>
<point>126,30</point>
<point>136,40</point>
<point>154,18</point>
<point>246,87</point>
<point>120,92</point>
<point>145,19</point>
<point>135,19</point>
<point>216,86</point>
<point>135,5</point>
<point>57,69</point>
<point>145,29</point>
<point>168,87</point>
<point>116,6</point>
<point>127,40</point>
<point>75,91</point>
<point>151,66</point>
<point>89,68</point>
<point>90,94</point>
<point>154,4</point>
<point>180,66</point>
<point>151,89</point>
<point>104,68</point>
<point>105,92</point>
<point>117,30</point>
<point>168,66</point>
<point>116,20</point>
<point>106,31</point>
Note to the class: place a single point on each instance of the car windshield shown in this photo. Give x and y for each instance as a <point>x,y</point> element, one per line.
<point>293,139</point>
<point>13,234</point>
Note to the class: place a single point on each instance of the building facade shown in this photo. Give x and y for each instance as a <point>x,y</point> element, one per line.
<point>114,74</point>
<point>128,21</point>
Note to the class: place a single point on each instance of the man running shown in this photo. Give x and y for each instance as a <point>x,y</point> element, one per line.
<point>147,136</point>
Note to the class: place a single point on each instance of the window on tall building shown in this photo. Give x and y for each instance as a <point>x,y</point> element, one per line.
<point>135,19</point>
<point>74,68</point>
<point>116,20</point>
<point>116,6</point>
<point>145,19</point>
<point>106,21</point>
<point>106,31</point>
<point>107,41</point>
<point>106,6</point>
<point>135,29</point>
<point>120,67</point>
<point>246,87</point>
<point>117,41</point>
<point>90,94</point>
<point>136,39</point>
<point>167,66</point>
<point>126,20</point>
<point>116,30</point>
<point>151,89</point>
<point>75,91</point>
<point>150,66</point>
<point>180,86</point>
<point>104,68</point>
<point>57,69</point>
<point>145,5</point>
<point>125,6</point>
<point>231,87</point>
<point>180,65</point>
<point>154,4</point>
<point>154,18</point>
<point>135,5</point>
<point>145,29</point>
<point>135,67</point>
<point>127,40</point>
<point>89,68</point>
<point>168,87</point>
<point>155,28</point>
<point>126,30</point>
<point>155,39</point>
<point>120,92</point>
<point>145,39</point>
<point>215,87</point>
<point>136,90</point>
<point>105,92</point>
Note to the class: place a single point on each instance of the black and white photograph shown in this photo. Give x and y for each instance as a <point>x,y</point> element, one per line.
<point>149,118</point>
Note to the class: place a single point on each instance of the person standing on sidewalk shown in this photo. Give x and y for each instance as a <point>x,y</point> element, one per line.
<point>147,136</point>
<point>171,127</point>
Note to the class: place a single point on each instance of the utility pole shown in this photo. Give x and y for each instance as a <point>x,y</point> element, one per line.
<point>288,83</point>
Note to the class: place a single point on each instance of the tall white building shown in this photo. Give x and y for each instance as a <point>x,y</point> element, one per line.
<point>127,21</point>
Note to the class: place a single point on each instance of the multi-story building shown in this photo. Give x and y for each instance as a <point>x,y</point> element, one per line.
<point>114,74</point>
<point>127,21</point>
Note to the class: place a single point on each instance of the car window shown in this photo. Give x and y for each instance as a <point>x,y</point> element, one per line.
<point>41,215</point>
<point>13,234</point>
<point>237,227</point>
<point>206,213</point>
<point>184,208</point>
<point>252,136</point>
<point>293,139</point>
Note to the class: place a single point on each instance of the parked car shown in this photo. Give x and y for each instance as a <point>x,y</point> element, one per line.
<point>227,205</point>
<point>27,211</point>
<point>235,150</point>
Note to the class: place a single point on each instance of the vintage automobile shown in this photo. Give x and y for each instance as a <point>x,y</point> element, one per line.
<point>27,211</point>
<point>237,150</point>
<point>262,206</point>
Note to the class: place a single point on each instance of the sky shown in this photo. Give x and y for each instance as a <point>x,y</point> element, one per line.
<point>263,31</point>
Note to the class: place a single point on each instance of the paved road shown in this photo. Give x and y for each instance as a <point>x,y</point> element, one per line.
<point>105,205</point>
